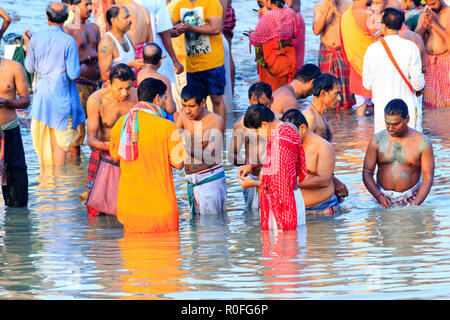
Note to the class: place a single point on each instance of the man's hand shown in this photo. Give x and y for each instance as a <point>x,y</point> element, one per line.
<point>136,64</point>
<point>4,103</point>
<point>178,67</point>
<point>246,182</point>
<point>244,170</point>
<point>26,36</point>
<point>340,189</point>
<point>384,201</point>
<point>183,27</point>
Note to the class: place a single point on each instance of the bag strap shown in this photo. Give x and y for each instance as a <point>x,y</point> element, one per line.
<point>389,53</point>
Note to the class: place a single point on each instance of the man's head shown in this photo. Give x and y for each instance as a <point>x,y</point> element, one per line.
<point>392,19</point>
<point>298,119</point>
<point>396,117</point>
<point>259,117</point>
<point>378,6</point>
<point>409,4</point>
<point>153,91</point>
<point>260,92</point>
<point>84,8</point>
<point>121,78</point>
<point>307,74</point>
<point>118,17</point>
<point>152,54</point>
<point>435,5</point>
<point>57,13</point>
<point>271,4</point>
<point>327,89</point>
<point>193,101</point>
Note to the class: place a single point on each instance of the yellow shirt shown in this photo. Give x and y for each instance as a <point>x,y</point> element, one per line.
<point>146,200</point>
<point>204,52</point>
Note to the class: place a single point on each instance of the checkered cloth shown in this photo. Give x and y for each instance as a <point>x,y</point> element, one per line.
<point>94,162</point>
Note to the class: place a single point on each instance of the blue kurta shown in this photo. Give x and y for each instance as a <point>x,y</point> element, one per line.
<point>54,55</point>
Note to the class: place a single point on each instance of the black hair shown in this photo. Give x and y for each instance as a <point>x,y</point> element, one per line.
<point>324,82</point>
<point>278,3</point>
<point>294,116</point>
<point>257,114</point>
<point>393,18</point>
<point>75,2</point>
<point>156,54</point>
<point>260,88</point>
<point>193,91</point>
<point>416,3</point>
<point>396,107</point>
<point>111,13</point>
<point>122,72</point>
<point>149,88</point>
<point>67,1</point>
<point>57,16</point>
<point>308,72</point>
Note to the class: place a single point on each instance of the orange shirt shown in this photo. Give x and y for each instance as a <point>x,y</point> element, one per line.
<point>146,200</point>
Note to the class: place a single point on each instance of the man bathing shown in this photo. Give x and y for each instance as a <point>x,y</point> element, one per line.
<point>404,158</point>
<point>203,137</point>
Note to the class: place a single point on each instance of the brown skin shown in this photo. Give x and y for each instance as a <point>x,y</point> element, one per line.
<point>141,27</point>
<point>6,21</point>
<point>104,108</point>
<point>326,22</point>
<point>294,4</point>
<point>318,186</point>
<point>434,27</point>
<point>414,37</point>
<point>286,97</point>
<point>107,50</point>
<point>87,36</point>
<point>12,81</point>
<point>402,155</point>
<point>208,135</point>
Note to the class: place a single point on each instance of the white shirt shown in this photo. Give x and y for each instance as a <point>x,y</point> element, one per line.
<point>380,76</point>
<point>160,19</point>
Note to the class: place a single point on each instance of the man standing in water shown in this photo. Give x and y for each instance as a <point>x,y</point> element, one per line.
<point>104,108</point>
<point>203,136</point>
<point>286,97</point>
<point>327,15</point>
<point>87,36</point>
<point>434,27</point>
<point>404,158</point>
<point>13,169</point>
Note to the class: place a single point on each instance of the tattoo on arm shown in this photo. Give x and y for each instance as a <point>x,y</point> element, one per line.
<point>103,49</point>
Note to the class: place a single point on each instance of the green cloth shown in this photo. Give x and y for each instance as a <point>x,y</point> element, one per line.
<point>190,187</point>
<point>19,56</point>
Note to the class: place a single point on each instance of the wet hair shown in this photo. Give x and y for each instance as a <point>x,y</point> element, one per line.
<point>417,3</point>
<point>75,2</point>
<point>278,3</point>
<point>122,72</point>
<point>149,88</point>
<point>57,16</point>
<point>193,91</point>
<point>308,72</point>
<point>396,107</point>
<point>294,116</point>
<point>155,54</point>
<point>256,115</point>
<point>111,13</point>
<point>393,18</point>
<point>324,82</point>
<point>260,88</point>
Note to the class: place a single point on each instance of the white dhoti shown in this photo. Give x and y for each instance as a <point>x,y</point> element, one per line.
<point>402,198</point>
<point>228,95</point>
<point>207,191</point>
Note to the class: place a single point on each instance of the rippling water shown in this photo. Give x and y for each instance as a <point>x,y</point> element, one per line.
<point>55,251</point>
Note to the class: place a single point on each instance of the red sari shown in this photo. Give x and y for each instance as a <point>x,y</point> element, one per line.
<point>283,163</point>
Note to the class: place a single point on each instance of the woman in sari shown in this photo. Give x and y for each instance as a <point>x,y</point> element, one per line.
<point>273,39</point>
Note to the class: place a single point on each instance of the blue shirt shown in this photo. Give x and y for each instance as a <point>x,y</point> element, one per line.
<point>54,55</point>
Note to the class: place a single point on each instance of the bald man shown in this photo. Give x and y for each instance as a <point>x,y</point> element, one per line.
<point>152,56</point>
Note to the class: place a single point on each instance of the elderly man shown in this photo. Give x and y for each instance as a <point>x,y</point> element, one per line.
<point>56,109</point>
<point>384,79</point>
<point>404,158</point>
<point>434,27</point>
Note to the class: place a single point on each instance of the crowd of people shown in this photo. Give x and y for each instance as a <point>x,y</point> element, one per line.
<point>153,79</point>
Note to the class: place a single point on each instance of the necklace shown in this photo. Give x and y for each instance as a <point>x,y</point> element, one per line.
<point>329,133</point>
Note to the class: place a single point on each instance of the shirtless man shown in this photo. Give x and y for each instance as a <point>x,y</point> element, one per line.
<point>141,27</point>
<point>261,93</point>
<point>104,108</point>
<point>6,21</point>
<point>434,27</point>
<point>152,55</point>
<point>286,97</point>
<point>404,158</point>
<point>116,46</point>
<point>203,137</point>
<point>317,188</point>
<point>87,36</point>
<point>326,95</point>
<point>14,177</point>
<point>327,15</point>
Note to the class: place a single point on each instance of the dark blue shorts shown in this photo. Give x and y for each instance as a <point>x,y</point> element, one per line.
<point>213,80</point>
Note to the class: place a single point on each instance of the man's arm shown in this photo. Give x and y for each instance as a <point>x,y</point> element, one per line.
<point>73,60</point>
<point>237,140</point>
<point>93,124</point>
<point>6,22</point>
<point>442,31</point>
<point>415,70</point>
<point>171,107</point>
<point>105,57</point>
<point>321,11</point>
<point>427,167</point>
<point>166,38</point>
<point>325,168</point>
<point>370,162</point>
<point>212,28</point>
<point>20,83</point>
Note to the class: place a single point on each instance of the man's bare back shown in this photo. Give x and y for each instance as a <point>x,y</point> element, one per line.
<point>284,99</point>
<point>141,27</point>
<point>414,37</point>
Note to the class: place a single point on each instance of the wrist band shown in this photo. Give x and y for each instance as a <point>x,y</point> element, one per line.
<point>369,171</point>
<point>381,194</point>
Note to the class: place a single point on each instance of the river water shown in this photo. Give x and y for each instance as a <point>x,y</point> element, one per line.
<point>54,250</point>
